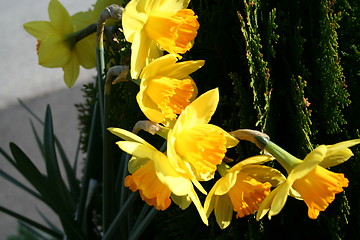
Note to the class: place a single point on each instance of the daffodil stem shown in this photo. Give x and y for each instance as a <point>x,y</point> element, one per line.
<point>141,227</point>
<point>77,36</point>
<point>112,11</point>
<point>91,158</point>
<point>286,160</point>
<point>117,221</point>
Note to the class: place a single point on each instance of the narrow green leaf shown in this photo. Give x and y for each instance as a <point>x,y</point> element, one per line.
<point>19,184</point>
<point>52,166</point>
<point>91,169</point>
<point>31,222</point>
<point>30,111</point>
<point>48,222</point>
<point>70,173</point>
<point>31,232</point>
<point>8,158</point>
<point>142,226</point>
<point>38,140</point>
<point>120,215</point>
<point>30,171</point>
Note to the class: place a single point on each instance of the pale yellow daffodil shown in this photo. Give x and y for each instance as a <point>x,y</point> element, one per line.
<point>153,26</point>
<point>56,44</point>
<point>241,189</point>
<point>166,88</point>
<point>194,146</point>
<point>308,179</point>
<point>155,178</point>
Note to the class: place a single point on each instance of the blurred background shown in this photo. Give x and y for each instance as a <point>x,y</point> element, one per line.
<point>22,78</point>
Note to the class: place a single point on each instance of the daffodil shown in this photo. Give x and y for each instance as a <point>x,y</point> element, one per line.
<point>308,179</point>
<point>57,46</point>
<point>241,189</point>
<point>154,177</point>
<point>153,26</point>
<point>194,146</point>
<point>166,88</point>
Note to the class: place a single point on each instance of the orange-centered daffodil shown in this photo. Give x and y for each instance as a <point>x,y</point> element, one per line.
<point>154,26</point>
<point>241,189</point>
<point>308,179</point>
<point>56,45</point>
<point>166,88</point>
<point>194,146</point>
<point>154,177</point>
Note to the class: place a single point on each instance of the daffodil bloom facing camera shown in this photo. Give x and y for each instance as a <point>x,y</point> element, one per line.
<point>154,26</point>
<point>153,176</point>
<point>308,179</point>
<point>166,88</point>
<point>241,189</point>
<point>56,43</point>
<point>194,146</point>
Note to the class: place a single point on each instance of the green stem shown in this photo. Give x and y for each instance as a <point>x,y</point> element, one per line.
<point>286,160</point>
<point>90,166</point>
<point>117,221</point>
<point>141,227</point>
<point>112,11</point>
<point>73,38</point>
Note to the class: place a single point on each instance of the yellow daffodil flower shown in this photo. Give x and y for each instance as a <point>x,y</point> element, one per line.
<point>166,88</point>
<point>152,174</point>
<point>241,189</point>
<point>56,45</point>
<point>308,179</point>
<point>194,146</point>
<point>153,26</point>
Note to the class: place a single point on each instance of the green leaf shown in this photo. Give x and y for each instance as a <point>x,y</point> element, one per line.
<point>19,184</point>
<point>52,166</point>
<point>8,158</point>
<point>30,171</point>
<point>49,223</point>
<point>38,140</point>
<point>31,222</point>
<point>30,111</point>
<point>70,172</point>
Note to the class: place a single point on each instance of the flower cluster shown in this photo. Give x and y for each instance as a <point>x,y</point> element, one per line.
<point>195,149</point>
<point>160,31</point>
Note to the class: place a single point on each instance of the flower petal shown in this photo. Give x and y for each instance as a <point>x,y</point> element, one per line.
<point>137,149</point>
<point>309,163</point>
<point>59,17</point>
<point>128,136</point>
<point>181,70</point>
<point>264,174</point>
<point>182,201</point>
<point>41,30</point>
<point>209,204</point>
<point>338,153</point>
<point>85,51</point>
<point>223,210</point>
<point>71,70</point>
<point>199,111</point>
<point>225,183</point>
<point>143,51</point>
<point>149,108</point>
<point>194,197</point>
<point>135,163</point>
<point>54,53</point>
<point>155,67</point>
<point>280,197</point>
<point>133,20</point>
